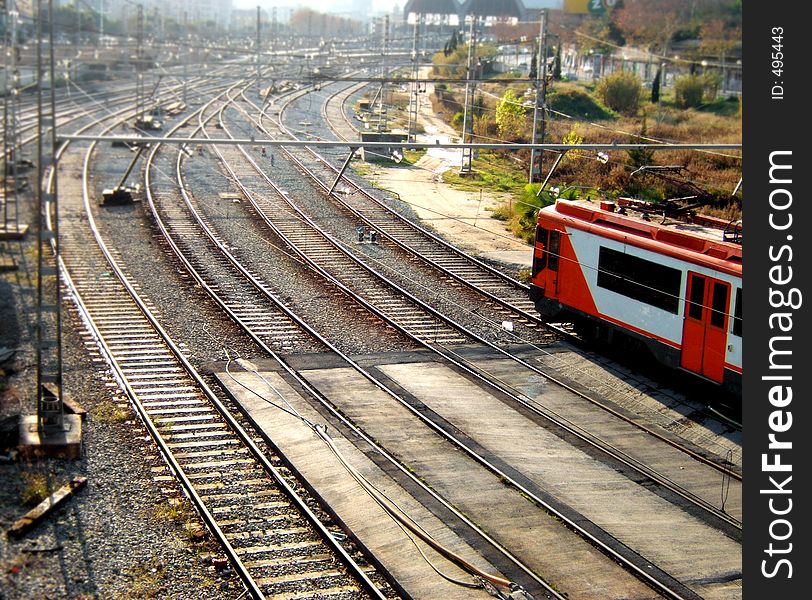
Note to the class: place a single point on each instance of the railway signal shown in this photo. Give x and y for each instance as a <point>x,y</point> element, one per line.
<point>50,431</point>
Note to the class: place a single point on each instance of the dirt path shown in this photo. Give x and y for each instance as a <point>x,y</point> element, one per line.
<point>462,217</point>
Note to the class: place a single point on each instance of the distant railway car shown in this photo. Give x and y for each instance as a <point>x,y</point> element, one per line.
<point>674,288</point>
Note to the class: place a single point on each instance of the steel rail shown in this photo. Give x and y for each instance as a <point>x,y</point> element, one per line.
<point>646,575</point>
<point>549,414</point>
<point>121,378</point>
<point>324,533</point>
<point>696,455</point>
<point>530,403</point>
<point>113,363</point>
<point>372,379</point>
<point>318,396</point>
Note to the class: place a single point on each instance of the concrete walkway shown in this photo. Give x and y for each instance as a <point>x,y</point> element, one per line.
<point>462,217</point>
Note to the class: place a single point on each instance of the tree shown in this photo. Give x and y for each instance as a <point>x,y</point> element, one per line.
<point>479,106</point>
<point>640,157</point>
<point>510,115</point>
<point>655,86</point>
<point>719,36</point>
<point>573,137</point>
<point>557,64</point>
<point>453,65</point>
<point>652,22</point>
<point>621,91</point>
<point>599,35</point>
<point>453,42</point>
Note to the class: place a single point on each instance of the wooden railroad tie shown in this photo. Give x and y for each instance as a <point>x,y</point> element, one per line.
<point>41,510</point>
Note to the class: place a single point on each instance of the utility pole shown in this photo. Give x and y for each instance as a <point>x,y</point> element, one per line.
<point>185,54</point>
<point>413,96</point>
<point>78,24</point>
<point>382,123</point>
<point>12,144</point>
<point>470,85</point>
<point>259,29</point>
<point>50,410</point>
<point>51,431</point>
<point>274,32</point>
<point>140,93</point>
<point>541,98</point>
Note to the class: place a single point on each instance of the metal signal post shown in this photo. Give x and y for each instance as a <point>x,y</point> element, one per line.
<point>541,99</point>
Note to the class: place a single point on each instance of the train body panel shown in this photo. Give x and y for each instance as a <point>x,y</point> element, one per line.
<point>673,288</point>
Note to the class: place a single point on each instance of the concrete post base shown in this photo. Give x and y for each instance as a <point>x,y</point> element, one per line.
<point>59,443</point>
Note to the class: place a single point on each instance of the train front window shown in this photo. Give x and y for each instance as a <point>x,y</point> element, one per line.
<point>719,303</point>
<point>737,314</point>
<point>554,250</point>
<point>697,299</point>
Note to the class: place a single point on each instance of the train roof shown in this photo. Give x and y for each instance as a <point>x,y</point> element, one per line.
<point>698,238</point>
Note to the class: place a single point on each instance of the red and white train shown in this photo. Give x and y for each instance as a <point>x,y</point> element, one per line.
<point>675,288</point>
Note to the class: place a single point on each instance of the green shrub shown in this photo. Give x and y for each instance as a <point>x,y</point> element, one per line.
<point>456,120</point>
<point>523,220</point>
<point>688,91</point>
<point>621,92</point>
<point>580,105</point>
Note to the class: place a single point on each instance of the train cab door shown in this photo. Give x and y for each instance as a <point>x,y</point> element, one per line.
<point>546,260</point>
<point>704,333</point>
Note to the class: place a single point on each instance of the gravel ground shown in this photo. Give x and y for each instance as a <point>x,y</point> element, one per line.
<point>462,305</point>
<point>122,536</point>
<point>119,537</point>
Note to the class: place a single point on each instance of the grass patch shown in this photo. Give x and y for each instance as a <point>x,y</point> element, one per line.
<point>491,171</point>
<point>412,156</point>
<point>34,489</point>
<point>107,412</point>
<point>723,107</point>
<point>145,579</point>
<point>172,510</point>
<point>361,168</point>
<point>179,512</point>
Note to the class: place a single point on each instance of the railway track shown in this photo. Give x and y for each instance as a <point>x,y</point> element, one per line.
<point>498,288</point>
<point>724,466</point>
<point>182,235</point>
<point>624,401</point>
<point>296,229</point>
<point>337,120</point>
<point>246,159</point>
<point>273,328</point>
<point>599,394</point>
<point>271,537</point>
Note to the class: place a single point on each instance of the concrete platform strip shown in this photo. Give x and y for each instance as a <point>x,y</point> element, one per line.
<point>371,525</point>
<point>675,541</point>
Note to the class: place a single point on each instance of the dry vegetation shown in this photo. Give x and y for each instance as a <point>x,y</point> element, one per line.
<point>578,114</point>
